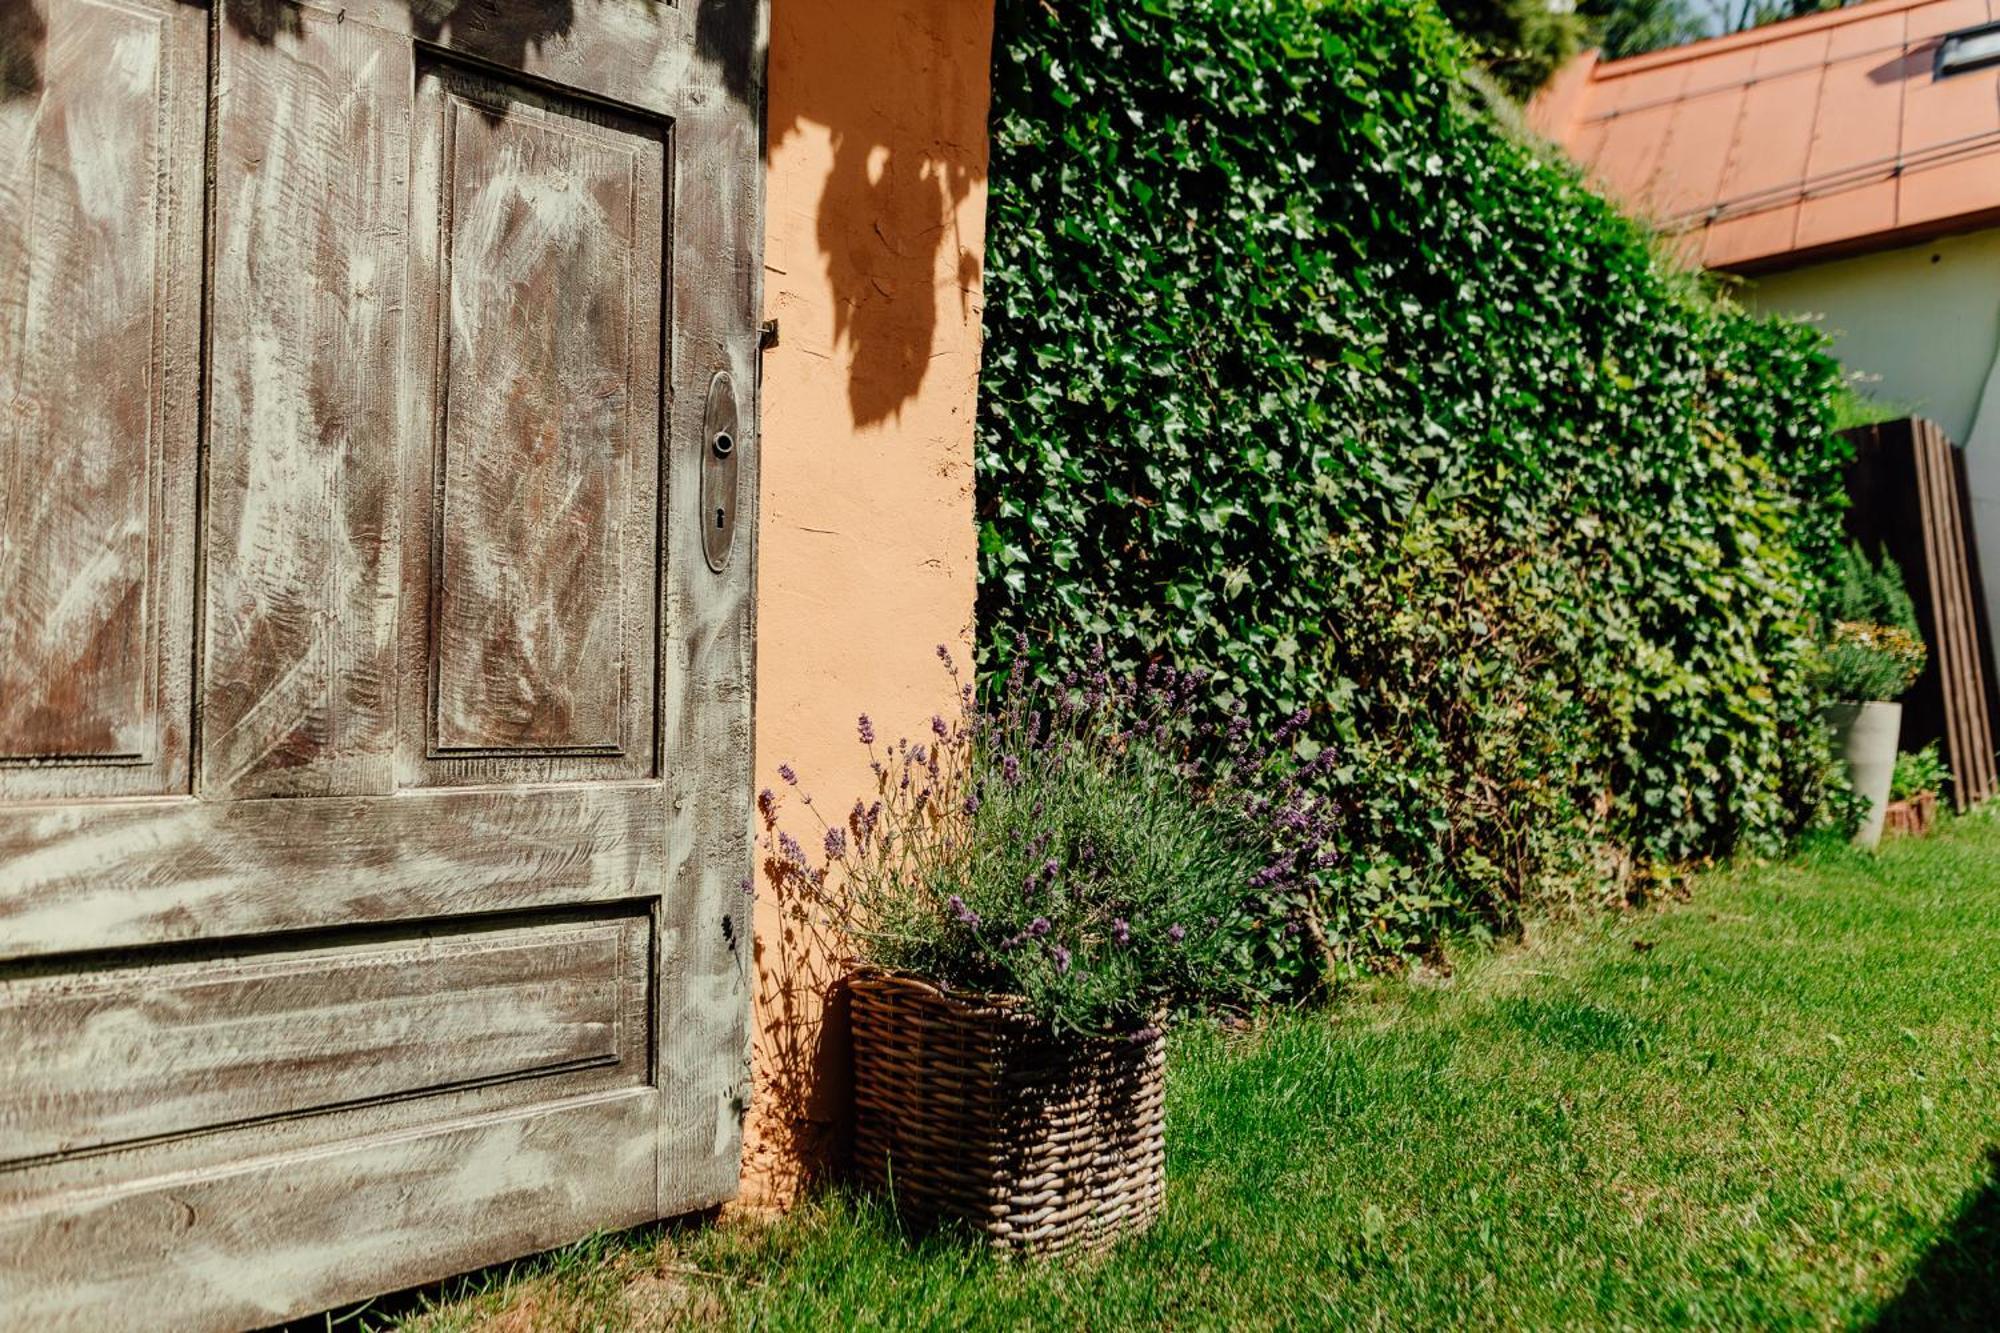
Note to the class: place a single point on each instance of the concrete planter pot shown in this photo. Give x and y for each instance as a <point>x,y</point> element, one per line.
<point>1865,735</point>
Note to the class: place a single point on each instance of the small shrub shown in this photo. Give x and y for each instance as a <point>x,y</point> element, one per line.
<point>1860,661</point>
<point>1918,771</point>
<point>1871,591</point>
<point>1080,846</point>
<point>1873,650</point>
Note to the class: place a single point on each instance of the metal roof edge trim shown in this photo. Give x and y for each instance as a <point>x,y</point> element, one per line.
<point>1770,32</point>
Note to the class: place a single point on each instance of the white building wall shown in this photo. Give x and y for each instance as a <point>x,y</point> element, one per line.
<point>1920,325</point>
<point>1920,329</point>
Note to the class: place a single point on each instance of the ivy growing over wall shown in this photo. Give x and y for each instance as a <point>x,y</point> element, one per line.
<point>1301,368</point>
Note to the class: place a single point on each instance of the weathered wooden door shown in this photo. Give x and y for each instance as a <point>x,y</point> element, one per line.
<point>377,477</point>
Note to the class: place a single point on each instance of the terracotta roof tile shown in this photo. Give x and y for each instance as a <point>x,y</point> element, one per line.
<point>1817,135</point>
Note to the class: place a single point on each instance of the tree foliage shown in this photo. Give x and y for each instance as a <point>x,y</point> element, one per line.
<point>1302,370</point>
<point>1522,42</point>
<point>1633,27</point>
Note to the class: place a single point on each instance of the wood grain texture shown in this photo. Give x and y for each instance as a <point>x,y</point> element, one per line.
<point>539,265</point>
<point>99,222</point>
<point>131,874</point>
<point>459,319</point>
<point>672,58</point>
<point>708,665</point>
<point>124,1053</point>
<point>287,1234</point>
<point>306,315</point>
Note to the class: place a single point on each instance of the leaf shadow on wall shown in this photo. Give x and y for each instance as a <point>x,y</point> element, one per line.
<point>718,31</point>
<point>897,91</point>
<point>901,92</point>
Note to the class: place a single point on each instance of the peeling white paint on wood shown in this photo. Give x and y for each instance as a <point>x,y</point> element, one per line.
<point>99,186</point>
<point>406,934</point>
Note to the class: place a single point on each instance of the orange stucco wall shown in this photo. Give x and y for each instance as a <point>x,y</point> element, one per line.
<point>873,250</point>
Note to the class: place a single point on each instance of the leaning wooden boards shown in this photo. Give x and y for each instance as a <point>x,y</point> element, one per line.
<point>374,714</point>
<point>1907,488</point>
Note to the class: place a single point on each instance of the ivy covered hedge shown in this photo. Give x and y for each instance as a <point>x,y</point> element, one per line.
<point>1301,367</point>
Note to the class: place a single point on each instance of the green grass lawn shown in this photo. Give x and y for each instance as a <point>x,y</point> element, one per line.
<point>1772,1106</point>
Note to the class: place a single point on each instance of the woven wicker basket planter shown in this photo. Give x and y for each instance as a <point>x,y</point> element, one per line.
<point>970,1109</point>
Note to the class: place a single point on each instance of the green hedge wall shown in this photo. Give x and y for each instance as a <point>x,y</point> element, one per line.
<point>1301,367</point>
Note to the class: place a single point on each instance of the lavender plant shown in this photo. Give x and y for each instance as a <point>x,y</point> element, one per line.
<point>1079,846</point>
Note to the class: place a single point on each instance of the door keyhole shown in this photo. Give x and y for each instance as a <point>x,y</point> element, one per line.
<point>719,467</point>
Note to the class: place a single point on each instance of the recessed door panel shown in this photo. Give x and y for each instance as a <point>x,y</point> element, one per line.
<point>542,249</point>
<point>158,1049</point>
<point>99,220</point>
<point>307,294</point>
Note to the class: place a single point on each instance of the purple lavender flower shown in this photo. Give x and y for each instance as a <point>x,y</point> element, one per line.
<point>1038,927</point>
<point>791,778</point>
<point>836,844</point>
<point>1010,769</point>
<point>867,730</point>
<point>1177,932</point>
<point>1121,930</point>
<point>972,803</point>
<point>1061,956</point>
<point>789,848</point>
<point>961,911</point>
<point>938,728</point>
<point>749,889</point>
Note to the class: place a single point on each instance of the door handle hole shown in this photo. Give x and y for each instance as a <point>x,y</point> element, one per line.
<point>724,445</point>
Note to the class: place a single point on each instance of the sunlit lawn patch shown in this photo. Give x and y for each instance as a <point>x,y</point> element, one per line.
<point>1771,1107</point>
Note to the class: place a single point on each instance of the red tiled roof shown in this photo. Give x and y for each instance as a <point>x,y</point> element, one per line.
<point>1818,135</point>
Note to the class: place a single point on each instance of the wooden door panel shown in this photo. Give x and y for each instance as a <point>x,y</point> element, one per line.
<point>688,61</point>
<point>286,1233</point>
<point>416,935</point>
<point>307,296</point>
<point>132,874</point>
<point>100,195</point>
<point>531,592</point>
<point>116,1055</point>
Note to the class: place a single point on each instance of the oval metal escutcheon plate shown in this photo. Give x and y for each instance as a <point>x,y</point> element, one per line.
<point>720,449</point>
